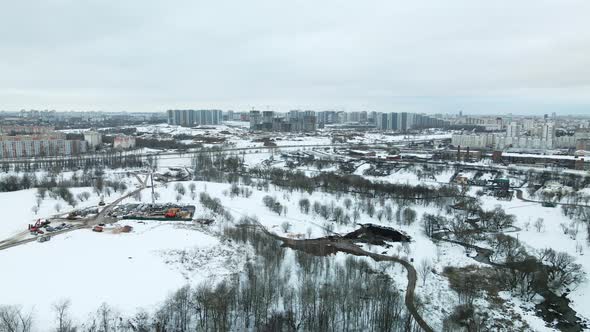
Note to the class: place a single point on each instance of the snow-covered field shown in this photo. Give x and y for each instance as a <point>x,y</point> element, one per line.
<point>17,206</point>
<point>126,270</point>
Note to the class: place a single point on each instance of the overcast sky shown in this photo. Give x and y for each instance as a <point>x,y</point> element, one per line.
<point>525,56</point>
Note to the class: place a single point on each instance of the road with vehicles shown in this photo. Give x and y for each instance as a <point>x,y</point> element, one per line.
<point>101,217</point>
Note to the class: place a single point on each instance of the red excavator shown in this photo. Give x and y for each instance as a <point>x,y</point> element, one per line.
<point>36,228</point>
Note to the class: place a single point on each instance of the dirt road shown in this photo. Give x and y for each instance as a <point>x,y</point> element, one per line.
<point>330,245</point>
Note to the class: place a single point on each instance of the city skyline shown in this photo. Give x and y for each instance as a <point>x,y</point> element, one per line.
<point>479,58</point>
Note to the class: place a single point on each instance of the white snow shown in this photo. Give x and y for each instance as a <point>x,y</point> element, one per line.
<point>125,270</point>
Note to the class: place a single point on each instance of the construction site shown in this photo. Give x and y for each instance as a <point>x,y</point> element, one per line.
<point>167,211</point>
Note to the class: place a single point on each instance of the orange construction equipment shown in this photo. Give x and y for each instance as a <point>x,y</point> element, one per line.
<point>171,213</point>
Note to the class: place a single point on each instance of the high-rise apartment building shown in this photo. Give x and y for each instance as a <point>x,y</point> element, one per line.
<point>293,121</point>
<point>188,118</point>
<point>406,121</point>
<point>48,144</point>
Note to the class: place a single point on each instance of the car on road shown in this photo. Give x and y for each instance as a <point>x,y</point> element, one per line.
<point>43,238</point>
<point>50,229</point>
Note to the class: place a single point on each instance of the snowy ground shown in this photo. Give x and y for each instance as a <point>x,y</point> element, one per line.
<point>550,236</point>
<point>17,213</point>
<point>422,248</point>
<point>140,268</point>
<point>125,270</point>
<point>17,205</point>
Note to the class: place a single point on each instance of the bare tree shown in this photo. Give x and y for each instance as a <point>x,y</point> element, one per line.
<point>62,316</point>
<point>285,226</point>
<point>328,228</point>
<point>424,269</point>
<point>356,215</point>
<point>41,193</point>
<point>370,208</point>
<point>389,212</point>
<point>12,319</point>
<point>35,209</point>
<point>409,216</point>
<point>192,187</point>
<point>179,187</point>
<point>562,270</point>
<point>57,207</point>
<point>9,318</point>
<point>338,214</point>
<point>73,203</point>
<point>347,203</point>
<point>106,318</point>
<point>539,224</point>
<point>304,205</point>
<point>140,322</point>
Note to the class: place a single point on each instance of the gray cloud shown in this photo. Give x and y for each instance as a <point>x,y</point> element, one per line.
<point>432,56</point>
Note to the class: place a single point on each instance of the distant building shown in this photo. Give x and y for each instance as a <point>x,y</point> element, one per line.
<point>189,118</point>
<point>123,142</point>
<point>583,144</point>
<point>327,117</point>
<point>93,138</point>
<point>513,130</point>
<point>294,121</point>
<point>480,141</point>
<point>25,130</point>
<point>255,119</point>
<point>305,121</point>
<point>407,121</point>
<point>48,144</point>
